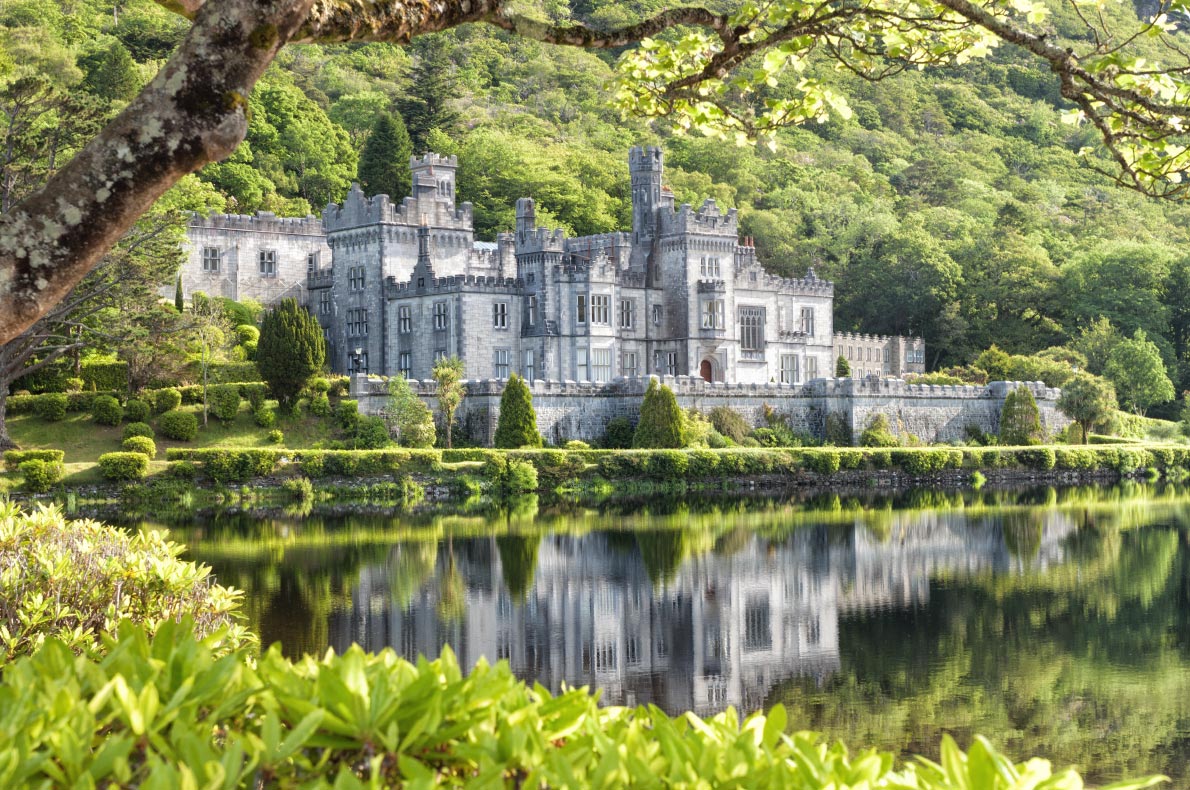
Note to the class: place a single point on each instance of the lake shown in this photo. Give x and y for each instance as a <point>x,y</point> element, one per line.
<point>1056,622</point>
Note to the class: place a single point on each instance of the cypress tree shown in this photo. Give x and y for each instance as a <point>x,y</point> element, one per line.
<point>660,419</point>
<point>1020,420</point>
<point>517,426</point>
<point>291,350</point>
<point>179,302</point>
<point>842,368</point>
<point>384,162</point>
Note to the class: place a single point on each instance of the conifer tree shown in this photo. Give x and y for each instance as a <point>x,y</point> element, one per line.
<point>384,162</point>
<point>1020,420</point>
<point>842,368</point>
<point>111,74</point>
<point>179,300</point>
<point>517,426</point>
<point>660,419</point>
<point>432,85</point>
<point>291,350</point>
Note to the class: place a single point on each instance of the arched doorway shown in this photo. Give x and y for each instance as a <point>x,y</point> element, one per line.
<point>705,370</point>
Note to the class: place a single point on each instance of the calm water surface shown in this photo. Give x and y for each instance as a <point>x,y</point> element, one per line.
<point>1055,622</point>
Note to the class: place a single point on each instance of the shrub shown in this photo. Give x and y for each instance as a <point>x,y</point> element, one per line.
<point>347,414</point>
<point>920,462</point>
<point>661,420</point>
<point>106,410</point>
<point>238,465</point>
<point>96,575</point>
<point>138,429</point>
<point>166,399</point>
<point>577,444</point>
<point>123,466</point>
<point>276,437</point>
<point>824,462</point>
<point>180,426</point>
<point>517,423</point>
<point>136,410</point>
<point>509,476</point>
<point>98,375</point>
<point>14,458</point>
<point>668,464</point>
<point>878,433</point>
<point>51,406</point>
<point>256,395</point>
<point>1041,458</point>
<point>618,434</point>
<point>73,385</point>
<point>412,419</point>
<point>264,417</point>
<point>319,385</point>
<point>1078,459</point>
<point>730,423</point>
<point>837,431</point>
<point>181,470</point>
<point>140,444</point>
<point>371,433</point>
<point>320,405</point>
<point>1020,420</point>
<point>225,401</point>
<point>40,476</point>
<point>300,488</point>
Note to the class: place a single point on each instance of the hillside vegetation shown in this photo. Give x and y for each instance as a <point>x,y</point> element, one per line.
<point>951,203</point>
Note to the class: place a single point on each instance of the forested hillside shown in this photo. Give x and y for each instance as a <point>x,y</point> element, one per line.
<point>951,203</point>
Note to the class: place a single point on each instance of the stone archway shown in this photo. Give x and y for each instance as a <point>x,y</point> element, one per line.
<point>706,370</point>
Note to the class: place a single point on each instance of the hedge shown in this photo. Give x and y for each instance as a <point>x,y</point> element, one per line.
<point>140,444</point>
<point>75,401</point>
<point>41,476</point>
<point>136,410</point>
<point>14,458</point>
<point>105,376</point>
<point>241,464</point>
<point>180,426</point>
<point>51,406</point>
<point>123,466</point>
<point>106,410</point>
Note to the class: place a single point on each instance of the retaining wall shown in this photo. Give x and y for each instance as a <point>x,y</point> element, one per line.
<point>581,410</point>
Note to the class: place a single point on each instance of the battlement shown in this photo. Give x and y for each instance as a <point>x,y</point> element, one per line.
<point>856,337</point>
<point>708,219</point>
<point>320,278</point>
<point>431,159</point>
<point>358,210</point>
<point>260,222</point>
<point>810,285</point>
<point>873,386</point>
<point>457,282</point>
<point>541,239</point>
<point>647,158</point>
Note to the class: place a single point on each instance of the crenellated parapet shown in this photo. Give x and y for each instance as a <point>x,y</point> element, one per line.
<point>454,283</point>
<point>359,210</point>
<point>320,278</point>
<point>860,338</point>
<point>260,222</point>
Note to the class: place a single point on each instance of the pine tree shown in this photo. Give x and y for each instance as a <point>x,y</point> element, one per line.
<point>842,368</point>
<point>432,86</point>
<point>1020,420</point>
<point>384,162</point>
<point>111,74</point>
<point>517,426</point>
<point>179,301</point>
<point>291,350</point>
<point>660,419</point>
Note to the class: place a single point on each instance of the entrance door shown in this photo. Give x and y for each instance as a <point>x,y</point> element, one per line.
<point>704,370</point>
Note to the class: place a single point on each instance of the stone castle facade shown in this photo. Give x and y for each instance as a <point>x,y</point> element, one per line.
<point>397,285</point>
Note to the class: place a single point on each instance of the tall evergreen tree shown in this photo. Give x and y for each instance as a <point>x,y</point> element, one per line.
<point>111,74</point>
<point>660,419</point>
<point>842,368</point>
<point>384,162</point>
<point>291,350</point>
<point>179,300</point>
<point>517,426</point>
<point>432,87</point>
<point>1020,420</point>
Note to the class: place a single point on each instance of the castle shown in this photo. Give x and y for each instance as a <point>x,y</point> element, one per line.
<point>395,286</point>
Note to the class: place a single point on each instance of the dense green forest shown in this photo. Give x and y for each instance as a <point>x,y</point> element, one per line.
<point>952,203</point>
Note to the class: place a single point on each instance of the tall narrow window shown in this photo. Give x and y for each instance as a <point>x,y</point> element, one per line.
<point>311,261</point>
<point>601,311</point>
<point>405,364</point>
<point>502,363</point>
<point>355,278</point>
<point>807,320</point>
<point>601,364</point>
<point>441,316</point>
<point>580,314</point>
<point>324,302</point>
<point>657,314</point>
<point>500,315</point>
<point>531,309</point>
<point>671,363</point>
<point>712,314</point>
<point>627,313</point>
<point>210,260</point>
<point>530,367</point>
<point>789,369</point>
<point>752,332</point>
<point>629,366</point>
<point>267,262</point>
<point>404,319</point>
<point>582,368</point>
<point>811,368</point>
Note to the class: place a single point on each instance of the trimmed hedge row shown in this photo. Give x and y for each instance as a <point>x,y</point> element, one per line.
<point>241,464</point>
<point>14,458</point>
<point>40,404</point>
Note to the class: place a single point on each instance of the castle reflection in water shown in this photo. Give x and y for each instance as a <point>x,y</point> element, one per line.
<point>722,630</point>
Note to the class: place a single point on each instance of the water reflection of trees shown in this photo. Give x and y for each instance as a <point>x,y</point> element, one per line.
<point>1085,662</point>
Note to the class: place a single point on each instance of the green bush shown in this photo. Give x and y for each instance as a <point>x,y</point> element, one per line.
<point>370,433</point>
<point>668,464</point>
<point>730,423</point>
<point>1020,420</point>
<point>181,470</point>
<point>14,458</point>
<point>1075,459</point>
<point>138,429</point>
<point>124,466</point>
<point>166,399</point>
<point>837,431</point>
<point>878,433</point>
<point>823,461</point>
<point>1040,458</point>
<point>264,417</point>
<point>51,406</point>
<point>661,420</point>
<point>576,444</point>
<point>73,384</point>
<point>144,717</point>
<point>140,444</point>
<point>105,376</point>
<point>517,423</point>
<point>95,575</point>
<point>927,461</point>
<point>40,476</point>
<point>136,410</point>
<point>319,386</point>
<point>320,405</point>
<point>276,437</point>
<point>347,414</point>
<point>618,434</point>
<point>106,410</point>
<point>256,394</point>
<point>238,465</point>
<point>509,476</point>
<point>225,401</point>
<point>181,426</point>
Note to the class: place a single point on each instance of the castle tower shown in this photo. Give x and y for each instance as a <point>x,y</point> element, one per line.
<point>434,177</point>
<point>526,218</point>
<point>646,167</point>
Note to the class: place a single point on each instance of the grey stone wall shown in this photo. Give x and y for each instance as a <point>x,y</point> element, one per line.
<point>581,410</point>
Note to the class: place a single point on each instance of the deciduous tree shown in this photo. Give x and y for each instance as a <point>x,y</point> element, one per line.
<point>1136,370</point>
<point>448,375</point>
<point>1088,400</point>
